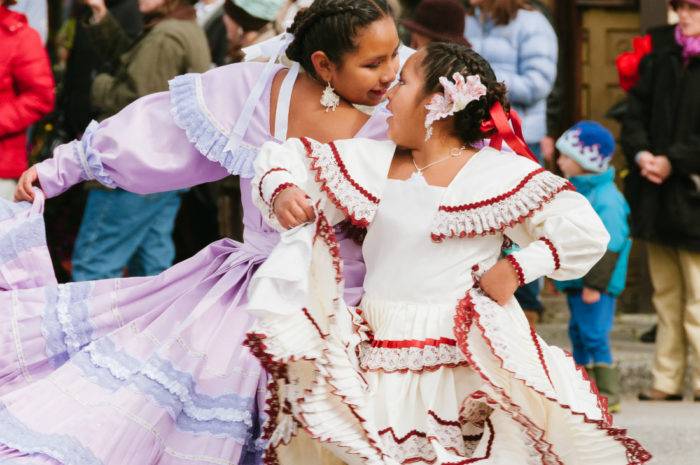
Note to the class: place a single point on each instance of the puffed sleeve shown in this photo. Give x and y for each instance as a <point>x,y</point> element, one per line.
<point>280,166</point>
<point>140,150</point>
<point>563,240</point>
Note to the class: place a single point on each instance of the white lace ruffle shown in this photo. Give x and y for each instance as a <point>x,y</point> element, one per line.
<point>347,195</point>
<point>90,158</point>
<point>191,114</point>
<point>409,358</point>
<point>498,213</point>
<point>123,372</point>
<point>191,410</point>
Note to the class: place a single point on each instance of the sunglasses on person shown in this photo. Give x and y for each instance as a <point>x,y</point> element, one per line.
<point>678,4</point>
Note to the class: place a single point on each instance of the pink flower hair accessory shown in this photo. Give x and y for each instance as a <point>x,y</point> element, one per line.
<point>456,97</point>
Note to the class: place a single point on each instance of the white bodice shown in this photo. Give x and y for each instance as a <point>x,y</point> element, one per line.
<point>403,264</point>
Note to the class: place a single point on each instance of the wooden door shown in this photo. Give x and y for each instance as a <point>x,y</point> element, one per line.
<point>605,33</point>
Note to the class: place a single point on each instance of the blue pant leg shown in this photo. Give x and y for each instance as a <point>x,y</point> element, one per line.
<point>528,296</point>
<point>594,322</point>
<point>109,234</point>
<point>156,251</point>
<point>581,355</point>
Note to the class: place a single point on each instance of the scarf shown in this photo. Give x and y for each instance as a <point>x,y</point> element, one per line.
<point>690,45</point>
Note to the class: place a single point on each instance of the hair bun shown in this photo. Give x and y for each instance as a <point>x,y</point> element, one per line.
<point>445,59</point>
<point>331,26</point>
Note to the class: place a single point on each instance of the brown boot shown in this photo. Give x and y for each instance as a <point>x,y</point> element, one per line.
<point>655,394</point>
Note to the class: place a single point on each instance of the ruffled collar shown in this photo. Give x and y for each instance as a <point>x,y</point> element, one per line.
<point>494,191</point>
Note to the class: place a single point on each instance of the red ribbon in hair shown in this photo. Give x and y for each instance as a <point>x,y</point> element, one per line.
<point>513,136</point>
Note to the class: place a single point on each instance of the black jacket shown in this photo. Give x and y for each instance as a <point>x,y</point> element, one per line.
<point>84,64</point>
<point>664,118</point>
<point>215,29</point>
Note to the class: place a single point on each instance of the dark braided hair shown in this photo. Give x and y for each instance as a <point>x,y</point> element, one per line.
<point>443,59</point>
<point>331,26</point>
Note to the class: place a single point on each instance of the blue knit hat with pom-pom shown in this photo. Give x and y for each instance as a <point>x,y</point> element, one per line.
<point>590,144</point>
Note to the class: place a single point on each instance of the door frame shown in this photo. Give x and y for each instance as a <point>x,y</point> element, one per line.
<point>569,19</point>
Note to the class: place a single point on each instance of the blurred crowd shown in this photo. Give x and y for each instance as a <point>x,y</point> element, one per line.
<point>109,53</point>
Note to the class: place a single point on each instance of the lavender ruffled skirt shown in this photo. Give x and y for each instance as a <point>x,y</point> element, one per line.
<point>133,371</point>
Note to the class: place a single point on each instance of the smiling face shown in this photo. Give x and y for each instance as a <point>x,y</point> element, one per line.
<point>407,101</point>
<point>364,75</point>
<point>688,17</point>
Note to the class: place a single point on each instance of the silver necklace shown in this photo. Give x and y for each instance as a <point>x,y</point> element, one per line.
<point>454,153</point>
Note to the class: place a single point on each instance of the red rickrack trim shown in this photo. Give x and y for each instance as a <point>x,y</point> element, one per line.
<point>540,354</point>
<point>555,253</point>
<point>344,170</point>
<point>407,343</point>
<point>489,447</point>
<point>278,371</point>
<point>442,422</point>
<point>360,222</point>
<point>358,327</point>
<point>468,314</point>
<point>492,200</point>
<point>464,318</point>
<point>313,322</point>
<point>440,237</point>
<point>420,434</point>
<point>260,184</point>
<point>278,191</point>
<point>518,269</point>
<point>326,233</point>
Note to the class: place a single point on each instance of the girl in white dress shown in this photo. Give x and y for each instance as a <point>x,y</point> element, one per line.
<point>437,364</point>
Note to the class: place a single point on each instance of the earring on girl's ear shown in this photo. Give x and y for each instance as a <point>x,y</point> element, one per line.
<point>330,100</point>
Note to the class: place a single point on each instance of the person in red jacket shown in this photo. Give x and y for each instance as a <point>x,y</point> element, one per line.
<point>26,92</point>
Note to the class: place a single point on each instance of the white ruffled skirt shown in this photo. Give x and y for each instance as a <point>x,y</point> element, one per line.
<point>399,383</point>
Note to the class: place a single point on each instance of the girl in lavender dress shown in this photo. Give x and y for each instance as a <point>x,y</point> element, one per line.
<point>142,371</point>
<point>438,364</point>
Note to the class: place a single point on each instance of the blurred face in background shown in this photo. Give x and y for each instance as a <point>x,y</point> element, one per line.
<point>237,37</point>
<point>569,167</point>
<point>418,40</point>
<point>150,6</point>
<point>688,17</point>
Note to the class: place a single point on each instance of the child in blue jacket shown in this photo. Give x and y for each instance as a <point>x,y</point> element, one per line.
<point>586,150</point>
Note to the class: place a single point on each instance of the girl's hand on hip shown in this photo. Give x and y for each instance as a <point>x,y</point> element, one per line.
<point>500,282</point>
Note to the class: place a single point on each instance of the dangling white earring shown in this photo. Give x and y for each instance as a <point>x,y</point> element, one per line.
<point>330,100</point>
<point>428,132</point>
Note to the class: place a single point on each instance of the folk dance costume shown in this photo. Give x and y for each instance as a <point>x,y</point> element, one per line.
<point>427,369</point>
<point>144,371</point>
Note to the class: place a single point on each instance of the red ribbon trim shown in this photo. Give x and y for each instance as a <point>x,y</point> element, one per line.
<point>407,343</point>
<point>499,122</point>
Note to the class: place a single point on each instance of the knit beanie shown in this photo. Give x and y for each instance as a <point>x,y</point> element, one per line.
<point>590,144</point>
